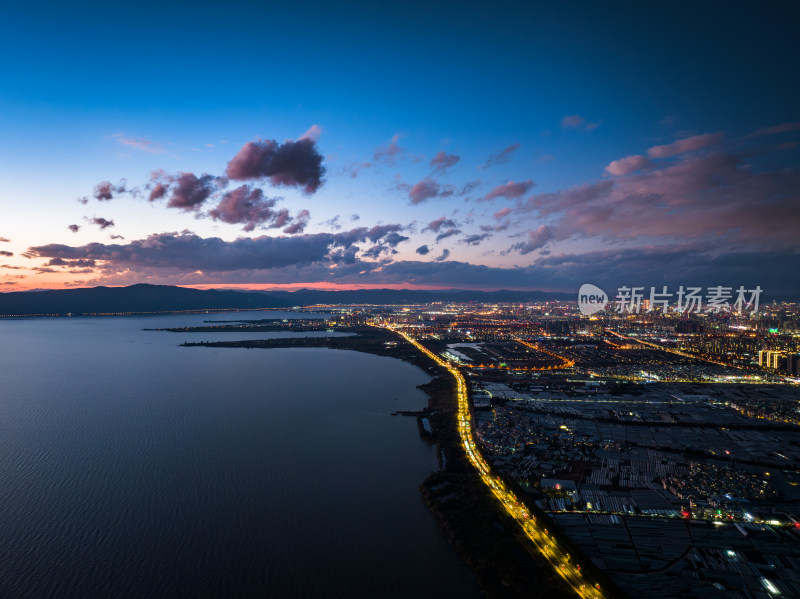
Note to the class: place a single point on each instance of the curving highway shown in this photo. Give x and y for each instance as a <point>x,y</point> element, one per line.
<point>544,543</point>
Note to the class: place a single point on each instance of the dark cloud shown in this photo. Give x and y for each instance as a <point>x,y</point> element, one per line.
<point>429,188</point>
<point>444,234</point>
<point>537,239</point>
<point>158,191</point>
<point>116,237</point>
<point>378,231</point>
<point>101,222</point>
<point>343,255</point>
<point>6,253</point>
<point>104,191</point>
<point>443,256</point>
<point>443,161</point>
<point>475,239</point>
<point>190,191</point>
<point>74,228</point>
<point>188,252</point>
<point>282,218</point>
<point>392,239</point>
<point>79,263</point>
<point>247,205</point>
<point>299,223</point>
<point>501,157</point>
<point>375,251</point>
<point>494,228</point>
<point>187,259</point>
<point>610,269</point>
<point>293,163</point>
<point>423,250</point>
<point>4,240</point>
<point>696,196</point>
<point>333,223</point>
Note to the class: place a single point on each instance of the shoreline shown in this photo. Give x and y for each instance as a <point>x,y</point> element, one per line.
<point>483,535</point>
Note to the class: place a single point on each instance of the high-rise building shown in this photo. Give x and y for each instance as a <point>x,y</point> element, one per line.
<point>793,364</point>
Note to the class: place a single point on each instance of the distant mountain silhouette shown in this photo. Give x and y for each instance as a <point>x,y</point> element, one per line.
<point>136,298</point>
<point>165,298</point>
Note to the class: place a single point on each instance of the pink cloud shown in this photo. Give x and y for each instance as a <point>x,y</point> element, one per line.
<point>248,206</point>
<point>437,224</point>
<point>538,238</point>
<point>688,144</point>
<point>443,161</point>
<point>389,152</point>
<point>103,191</point>
<point>314,132</point>
<point>573,121</point>
<point>424,190</point>
<point>777,129</point>
<point>190,190</point>
<point>502,213</point>
<point>510,190</point>
<point>101,222</point>
<point>299,224</point>
<point>145,145</point>
<point>159,191</point>
<point>713,196</point>
<point>576,121</point>
<point>501,157</point>
<point>292,163</point>
<point>626,165</point>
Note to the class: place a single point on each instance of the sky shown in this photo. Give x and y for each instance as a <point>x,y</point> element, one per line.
<point>531,145</point>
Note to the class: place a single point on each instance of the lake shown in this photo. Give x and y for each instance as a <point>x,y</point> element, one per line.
<point>132,467</point>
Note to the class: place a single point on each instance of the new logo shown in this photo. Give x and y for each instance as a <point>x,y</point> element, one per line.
<point>591,299</point>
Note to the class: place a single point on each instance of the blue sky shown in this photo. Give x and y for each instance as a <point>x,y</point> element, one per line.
<point>94,92</point>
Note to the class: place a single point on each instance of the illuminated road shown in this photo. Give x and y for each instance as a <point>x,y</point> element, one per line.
<point>546,544</point>
<point>677,352</point>
<point>567,363</point>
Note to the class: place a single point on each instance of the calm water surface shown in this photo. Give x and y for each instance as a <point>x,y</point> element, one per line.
<point>131,467</point>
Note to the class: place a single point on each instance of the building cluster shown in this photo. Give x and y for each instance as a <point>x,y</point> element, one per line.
<point>779,361</point>
<point>662,482</point>
<point>665,445</point>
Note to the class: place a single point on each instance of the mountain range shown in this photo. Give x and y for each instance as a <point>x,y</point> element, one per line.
<point>165,298</point>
